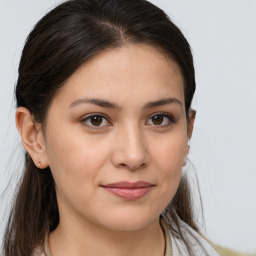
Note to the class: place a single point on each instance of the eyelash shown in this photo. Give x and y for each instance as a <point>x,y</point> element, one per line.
<point>86,118</point>
<point>171,120</point>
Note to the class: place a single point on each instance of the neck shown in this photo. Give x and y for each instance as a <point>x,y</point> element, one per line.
<point>72,238</point>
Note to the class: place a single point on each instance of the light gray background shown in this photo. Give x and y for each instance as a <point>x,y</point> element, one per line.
<point>222,34</point>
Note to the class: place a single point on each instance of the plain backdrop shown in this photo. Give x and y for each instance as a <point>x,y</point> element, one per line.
<point>222,34</point>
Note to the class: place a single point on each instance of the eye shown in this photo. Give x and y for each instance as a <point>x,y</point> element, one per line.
<point>161,119</point>
<point>95,121</point>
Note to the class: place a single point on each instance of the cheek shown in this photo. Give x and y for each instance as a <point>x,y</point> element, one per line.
<point>74,159</point>
<point>169,152</point>
<point>168,160</point>
<point>75,164</point>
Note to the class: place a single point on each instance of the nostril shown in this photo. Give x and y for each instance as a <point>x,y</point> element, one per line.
<point>132,167</point>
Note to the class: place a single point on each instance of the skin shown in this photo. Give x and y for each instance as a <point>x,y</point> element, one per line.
<point>128,145</point>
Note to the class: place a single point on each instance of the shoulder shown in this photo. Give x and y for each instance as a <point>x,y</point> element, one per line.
<point>197,244</point>
<point>228,252</point>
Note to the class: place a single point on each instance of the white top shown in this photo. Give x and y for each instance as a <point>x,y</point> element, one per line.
<point>198,245</point>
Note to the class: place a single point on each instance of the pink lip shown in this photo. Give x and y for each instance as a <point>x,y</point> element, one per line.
<point>129,190</point>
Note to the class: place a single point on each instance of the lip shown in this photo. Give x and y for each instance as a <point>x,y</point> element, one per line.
<point>129,190</point>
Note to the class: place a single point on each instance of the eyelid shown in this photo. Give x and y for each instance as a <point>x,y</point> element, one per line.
<point>169,116</point>
<point>86,117</point>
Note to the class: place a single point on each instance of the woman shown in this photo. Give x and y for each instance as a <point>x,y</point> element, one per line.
<point>104,112</point>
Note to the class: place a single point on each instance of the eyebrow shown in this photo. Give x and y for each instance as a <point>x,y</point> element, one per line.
<point>162,102</point>
<point>107,104</point>
<point>99,102</point>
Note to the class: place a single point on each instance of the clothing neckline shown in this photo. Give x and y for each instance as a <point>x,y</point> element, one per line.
<point>168,242</point>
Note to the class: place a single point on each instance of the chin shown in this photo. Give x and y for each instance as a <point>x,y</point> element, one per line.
<point>128,221</point>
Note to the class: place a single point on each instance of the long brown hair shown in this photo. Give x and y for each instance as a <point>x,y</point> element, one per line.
<point>59,44</point>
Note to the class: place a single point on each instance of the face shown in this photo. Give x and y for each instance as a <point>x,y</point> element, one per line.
<point>116,138</point>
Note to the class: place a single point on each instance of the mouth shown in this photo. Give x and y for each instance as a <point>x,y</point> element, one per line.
<point>129,190</point>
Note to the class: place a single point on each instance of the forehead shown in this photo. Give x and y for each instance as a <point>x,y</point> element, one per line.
<point>137,70</point>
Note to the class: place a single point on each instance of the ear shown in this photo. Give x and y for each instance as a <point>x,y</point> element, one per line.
<point>192,116</point>
<point>32,137</point>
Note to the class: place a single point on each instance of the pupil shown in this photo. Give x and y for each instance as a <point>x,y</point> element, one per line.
<point>157,119</point>
<point>96,120</point>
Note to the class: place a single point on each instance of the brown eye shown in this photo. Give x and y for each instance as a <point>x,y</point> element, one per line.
<point>161,120</point>
<point>96,120</point>
<point>157,119</point>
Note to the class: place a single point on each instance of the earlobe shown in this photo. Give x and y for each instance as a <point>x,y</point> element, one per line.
<point>31,137</point>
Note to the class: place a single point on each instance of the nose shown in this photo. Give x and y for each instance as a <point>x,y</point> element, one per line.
<point>130,149</point>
